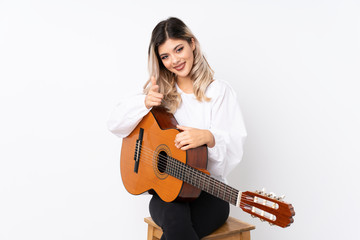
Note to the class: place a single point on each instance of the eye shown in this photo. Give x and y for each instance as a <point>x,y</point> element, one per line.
<point>180,49</point>
<point>164,57</point>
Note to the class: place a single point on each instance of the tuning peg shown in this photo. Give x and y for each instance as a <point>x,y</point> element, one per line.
<point>253,216</point>
<point>271,195</point>
<point>281,198</point>
<point>271,224</point>
<point>262,192</point>
<point>262,220</point>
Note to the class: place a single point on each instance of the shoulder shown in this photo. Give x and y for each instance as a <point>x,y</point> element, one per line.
<point>219,88</point>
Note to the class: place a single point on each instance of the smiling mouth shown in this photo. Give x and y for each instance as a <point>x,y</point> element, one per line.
<point>180,67</point>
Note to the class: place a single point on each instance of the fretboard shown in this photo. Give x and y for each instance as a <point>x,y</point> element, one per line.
<point>201,180</point>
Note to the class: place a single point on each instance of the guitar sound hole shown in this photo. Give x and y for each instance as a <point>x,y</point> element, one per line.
<point>162,161</point>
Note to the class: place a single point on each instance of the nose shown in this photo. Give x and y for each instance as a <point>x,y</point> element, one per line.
<point>175,60</point>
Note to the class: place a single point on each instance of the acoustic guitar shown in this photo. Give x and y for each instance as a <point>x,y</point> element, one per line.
<point>151,162</point>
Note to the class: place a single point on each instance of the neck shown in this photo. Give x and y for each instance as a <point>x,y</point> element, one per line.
<point>185,84</point>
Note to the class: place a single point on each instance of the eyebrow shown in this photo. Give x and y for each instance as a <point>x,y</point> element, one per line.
<point>173,49</point>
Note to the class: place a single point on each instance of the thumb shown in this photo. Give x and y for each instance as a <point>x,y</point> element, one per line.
<point>153,81</point>
<point>183,128</point>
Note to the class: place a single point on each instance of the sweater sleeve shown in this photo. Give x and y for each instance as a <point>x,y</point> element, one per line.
<point>228,129</point>
<point>127,115</point>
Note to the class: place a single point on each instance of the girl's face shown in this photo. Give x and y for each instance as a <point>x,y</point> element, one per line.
<point>177,56</point>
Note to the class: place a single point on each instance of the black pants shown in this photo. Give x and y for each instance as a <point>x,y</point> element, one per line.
<point>189,220</point>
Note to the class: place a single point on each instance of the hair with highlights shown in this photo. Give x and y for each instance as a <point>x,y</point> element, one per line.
<point>201,73</point>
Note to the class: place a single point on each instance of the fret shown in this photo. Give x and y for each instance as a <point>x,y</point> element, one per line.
<point>183,172</point>
<point>220,190</point>
<point>191,178</point>
<point>202,177</point>
<point>198,176</point>
<point>212,188</point>
<point>208,182</point>
<point>204,180</point>
<point>196,184</point>
<point>224,193</point>
<point>175,166</point>
<point>236,193</point>
<point>172,171</point>
<point>201,180</point>
<point>230,198</point>
<point>229,194</point>
<point>179,172</point>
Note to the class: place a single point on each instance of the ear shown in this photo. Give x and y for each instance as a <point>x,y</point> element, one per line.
<point>193,46</point>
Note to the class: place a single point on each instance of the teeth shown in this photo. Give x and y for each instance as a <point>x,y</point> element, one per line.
<point>179,67</point>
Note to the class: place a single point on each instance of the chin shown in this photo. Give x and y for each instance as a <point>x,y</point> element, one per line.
<point>183,74</point>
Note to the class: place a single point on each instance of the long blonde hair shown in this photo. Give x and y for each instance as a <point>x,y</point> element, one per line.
<point>201,72</point>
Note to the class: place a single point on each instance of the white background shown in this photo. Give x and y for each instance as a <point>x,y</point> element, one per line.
<point>65,64</point>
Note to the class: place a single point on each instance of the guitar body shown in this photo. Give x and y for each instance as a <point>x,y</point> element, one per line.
<point>151,162</point>
<point>157,143</point>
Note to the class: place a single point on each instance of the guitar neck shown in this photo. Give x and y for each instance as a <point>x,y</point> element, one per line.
<point>202,181</point>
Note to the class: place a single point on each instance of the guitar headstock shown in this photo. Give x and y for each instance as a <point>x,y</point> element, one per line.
<point>267,207</point>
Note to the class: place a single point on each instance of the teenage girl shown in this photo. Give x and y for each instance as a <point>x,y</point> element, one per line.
<point>208,113</point>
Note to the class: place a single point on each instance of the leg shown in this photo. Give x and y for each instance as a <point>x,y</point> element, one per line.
<point>208,213</point>
<point>174,218</point>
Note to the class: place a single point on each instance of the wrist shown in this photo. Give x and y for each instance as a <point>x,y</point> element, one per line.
<point>146,103</point>
<point>210,142</point>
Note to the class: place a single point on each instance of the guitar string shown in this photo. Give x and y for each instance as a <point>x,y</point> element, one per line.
<point>228,192</point>
<point>204,177</point>
<point>174,169</point>
<point>204,182</point>
<point>232,190</point>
